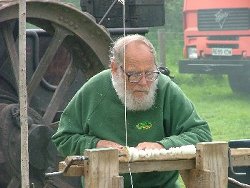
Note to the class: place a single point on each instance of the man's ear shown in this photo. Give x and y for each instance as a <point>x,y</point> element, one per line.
<point>113,66</point>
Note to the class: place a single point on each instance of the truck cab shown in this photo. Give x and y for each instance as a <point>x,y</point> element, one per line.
<point>216,40</point>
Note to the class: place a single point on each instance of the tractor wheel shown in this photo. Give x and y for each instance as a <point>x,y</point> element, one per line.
<point>77,49</point>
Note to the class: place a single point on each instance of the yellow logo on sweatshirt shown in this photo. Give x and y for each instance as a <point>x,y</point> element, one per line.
<point>144,125</point>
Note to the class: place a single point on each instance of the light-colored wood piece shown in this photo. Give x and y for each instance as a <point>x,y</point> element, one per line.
<point>208,170</point>
<point>240,156</point>
<point>213,157</point>
<point>200,178</point>
<point>100,168</point>
<point>149,166</point>
<point>240,151</point>
<point>73,170</point>
<point>118,181</point>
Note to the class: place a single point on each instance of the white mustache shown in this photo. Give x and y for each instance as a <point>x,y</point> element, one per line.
<point>144,91</point>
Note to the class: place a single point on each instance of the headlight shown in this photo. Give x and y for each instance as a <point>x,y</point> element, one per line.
<point>192,53</point>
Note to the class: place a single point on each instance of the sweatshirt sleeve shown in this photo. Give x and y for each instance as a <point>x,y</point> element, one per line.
<point>72,136</point>
<point>182,123</point>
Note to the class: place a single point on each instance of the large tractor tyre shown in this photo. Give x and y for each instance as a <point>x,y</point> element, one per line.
<point>240,82</point>
<point>77,49</point>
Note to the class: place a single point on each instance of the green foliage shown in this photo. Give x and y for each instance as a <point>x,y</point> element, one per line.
<point>173,14</point>
<point>76,3</point>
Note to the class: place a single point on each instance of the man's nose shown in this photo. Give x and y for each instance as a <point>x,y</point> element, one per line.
<point>143,80</point>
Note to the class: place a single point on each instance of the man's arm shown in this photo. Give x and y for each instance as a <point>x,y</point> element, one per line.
<point>72,136</point>
<point>183,124</point>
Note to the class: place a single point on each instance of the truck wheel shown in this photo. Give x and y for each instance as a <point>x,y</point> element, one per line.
<point>240,82</point>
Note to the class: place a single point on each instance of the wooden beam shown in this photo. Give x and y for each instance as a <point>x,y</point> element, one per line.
<point>240,157</point>
<point>73,170</point>
<point>149,166</point>
<point>77,169</point>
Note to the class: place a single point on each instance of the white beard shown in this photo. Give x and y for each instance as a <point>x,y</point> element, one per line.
<point>133,103</point>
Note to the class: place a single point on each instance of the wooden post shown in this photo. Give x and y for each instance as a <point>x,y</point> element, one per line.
<point>211,166</point>
<point>118,182</point>
<point>102,168</point>
<point>23,95</point>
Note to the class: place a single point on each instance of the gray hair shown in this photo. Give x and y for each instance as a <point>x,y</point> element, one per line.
<point>117,51</point>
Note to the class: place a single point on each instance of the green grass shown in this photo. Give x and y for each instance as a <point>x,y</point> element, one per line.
<point>76,3</point>
<point>227,113</point>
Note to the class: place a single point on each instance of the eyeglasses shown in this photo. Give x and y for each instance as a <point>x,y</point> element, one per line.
<point>135,77</point>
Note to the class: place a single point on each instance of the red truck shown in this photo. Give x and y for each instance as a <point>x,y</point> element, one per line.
<point>217,40</point>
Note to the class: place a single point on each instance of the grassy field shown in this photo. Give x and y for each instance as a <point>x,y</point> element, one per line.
<point>227,113</point>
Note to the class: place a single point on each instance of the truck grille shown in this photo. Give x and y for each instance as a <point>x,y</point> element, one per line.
<point>224,19</point>
<point>224,37</point>
<point>233,46</point>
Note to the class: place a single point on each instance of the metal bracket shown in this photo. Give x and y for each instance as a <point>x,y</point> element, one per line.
<point>76,158</point>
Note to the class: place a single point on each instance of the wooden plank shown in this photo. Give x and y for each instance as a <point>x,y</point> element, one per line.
<point>74,170</point>
<point>240,157</point>
<point>243,160</point>
<point>149,166</point>
<point>77,169</point>
<point>240,151</point>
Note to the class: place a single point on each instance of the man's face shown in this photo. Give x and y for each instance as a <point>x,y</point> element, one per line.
<point>139,60</point>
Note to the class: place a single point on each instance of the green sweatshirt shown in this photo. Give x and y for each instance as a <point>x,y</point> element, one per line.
<point>96,112</point>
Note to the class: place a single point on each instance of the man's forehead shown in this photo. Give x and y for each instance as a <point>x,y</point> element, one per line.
<point>136,43</point>
<point>140,66</point>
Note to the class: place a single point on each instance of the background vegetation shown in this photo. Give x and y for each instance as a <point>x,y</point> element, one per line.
<point>227,113</point>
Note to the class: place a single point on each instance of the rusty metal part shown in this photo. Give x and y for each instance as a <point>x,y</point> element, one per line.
<point>69,161</point>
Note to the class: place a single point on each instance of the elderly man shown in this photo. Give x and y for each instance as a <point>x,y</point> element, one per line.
<point>131,103</point>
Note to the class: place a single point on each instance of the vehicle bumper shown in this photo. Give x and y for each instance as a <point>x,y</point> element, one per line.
<point>213,66</point>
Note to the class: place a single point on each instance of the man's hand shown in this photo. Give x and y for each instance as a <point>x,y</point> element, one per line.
<point>108,144</point>
<point>149,145</point>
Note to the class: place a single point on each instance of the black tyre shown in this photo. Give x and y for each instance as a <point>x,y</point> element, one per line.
<point>240,82</point>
